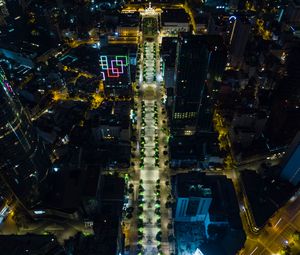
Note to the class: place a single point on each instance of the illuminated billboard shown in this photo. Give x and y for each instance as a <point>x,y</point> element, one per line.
<point>113,67</point>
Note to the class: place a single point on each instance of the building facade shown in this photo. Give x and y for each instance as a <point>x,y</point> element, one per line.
<point>23,158</point>
<point>115,71</point>
<point>291,164</point>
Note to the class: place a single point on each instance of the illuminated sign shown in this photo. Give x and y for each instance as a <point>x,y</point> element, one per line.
<point>4,82</point>
<point>113,67</point>
<point>232,17</point>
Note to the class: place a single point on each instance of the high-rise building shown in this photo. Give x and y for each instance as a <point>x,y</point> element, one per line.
<point>291,164</point>
<point>193,199</point>
<point>190,89</point>
<point>198,60</point>
<point>115,71</point>
<point>23,159</point>
<point>238,40</point>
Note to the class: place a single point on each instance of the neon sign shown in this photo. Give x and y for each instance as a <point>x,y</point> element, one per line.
<point>113,68</point>
<point>4,82</point>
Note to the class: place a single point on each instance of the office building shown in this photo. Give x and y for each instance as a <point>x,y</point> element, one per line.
<point>238,40</point>
<point>23,158</point>
<point>193,199</point>
<point>115,71</point>
<point>291,163</point>
<point>199,59</point>
<point>168,53</point>
<point>190,88</point>
<point>207,198</point>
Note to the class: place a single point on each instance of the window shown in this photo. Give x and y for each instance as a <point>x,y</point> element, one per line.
<point>192,207</point>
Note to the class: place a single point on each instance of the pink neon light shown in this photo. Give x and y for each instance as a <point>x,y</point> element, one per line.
<point>8,86</point>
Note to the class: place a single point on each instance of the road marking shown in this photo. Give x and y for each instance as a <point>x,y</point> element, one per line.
<point>277,222</point>
<point>254,250</point>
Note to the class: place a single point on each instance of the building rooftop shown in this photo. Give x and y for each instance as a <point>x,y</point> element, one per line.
<point>111,113</point>
<point>191,147</point>
<point>224,206</point>
<point>265,196</point>
<point>174,16</point>
<point>129,19</point>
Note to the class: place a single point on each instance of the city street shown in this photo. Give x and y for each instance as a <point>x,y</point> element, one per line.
<point>151,219</point>
<point>278,233</point>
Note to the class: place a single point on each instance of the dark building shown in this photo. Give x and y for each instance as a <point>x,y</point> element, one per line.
<point>199,59</point>
<point>190,105</point>
<point>263,196</point>
<point>238,40</point>
<point>200,151</point>
<point>293,12</point>
<point>30,244</point>
<point>284,121</point>
<point>115,71</point>
<point>23,158</point>
<point>168,53</point>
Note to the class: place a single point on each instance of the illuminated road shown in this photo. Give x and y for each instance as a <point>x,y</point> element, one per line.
<point>272,238</point>
<point>150,173</point>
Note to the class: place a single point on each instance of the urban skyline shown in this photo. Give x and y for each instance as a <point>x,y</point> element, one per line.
<point>135,127</point>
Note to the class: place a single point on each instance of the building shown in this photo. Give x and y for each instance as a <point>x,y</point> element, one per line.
<point>193,199</point>
<point>111,122</point>
<point>206,206</point>
<point>201,151</point>
<point>207,198</point>
<point>284,121</point>
<point>174,21</point>
<point>263,196</point>
<point>23,158</point>
<point>115,71</point>
<point>127,29</point>
<point>30,244</point>
<point>198,59</point>
<point>3,12</point>
<point>293,12</point>
<point>168,53</point>
<point>291,163</point>
<point>246,127</point>
<point>238,40</point>
<point>190,89</point>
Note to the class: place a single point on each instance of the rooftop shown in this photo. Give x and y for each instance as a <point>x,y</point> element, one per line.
<point>174,16</point>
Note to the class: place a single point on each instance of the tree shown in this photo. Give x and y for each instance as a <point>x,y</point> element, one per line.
<point>158,236</point>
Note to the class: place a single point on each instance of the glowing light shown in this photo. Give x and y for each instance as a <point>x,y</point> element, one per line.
<point>4,82</point>
<point>114,68</point>
<point>39,212</point>
<point>198,252</point>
